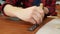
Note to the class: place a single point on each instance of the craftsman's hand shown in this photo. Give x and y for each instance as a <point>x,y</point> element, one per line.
<point>31,14</point>
<point>36,15</point>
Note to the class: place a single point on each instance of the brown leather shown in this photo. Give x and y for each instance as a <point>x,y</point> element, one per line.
<point>17,27</point>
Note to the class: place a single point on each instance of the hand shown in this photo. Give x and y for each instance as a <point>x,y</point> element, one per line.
<point>46,11</point>
<point>32,14</point>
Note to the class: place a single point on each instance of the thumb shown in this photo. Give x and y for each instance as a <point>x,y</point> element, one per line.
<point>41,5</point>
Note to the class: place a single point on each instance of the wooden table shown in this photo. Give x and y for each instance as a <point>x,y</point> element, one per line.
<point>17,27</point>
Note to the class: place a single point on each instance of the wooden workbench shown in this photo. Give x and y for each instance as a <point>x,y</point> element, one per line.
<point>17,27</point>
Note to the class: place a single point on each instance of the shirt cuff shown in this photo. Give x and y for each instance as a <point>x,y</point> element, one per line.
<point>3,9</point>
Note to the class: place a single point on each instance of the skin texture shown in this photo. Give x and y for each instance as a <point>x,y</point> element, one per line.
<point>31,14</point>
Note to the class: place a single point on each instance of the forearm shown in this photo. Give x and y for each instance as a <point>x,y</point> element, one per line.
<point>19,12</point>
<point>8,9</point>
<point>25,14</point>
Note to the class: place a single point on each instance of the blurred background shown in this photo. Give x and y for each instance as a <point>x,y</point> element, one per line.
<point>57,5</point>
<point>1,1</point>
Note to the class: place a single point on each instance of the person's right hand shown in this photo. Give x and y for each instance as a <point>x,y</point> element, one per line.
<point>32,14</point>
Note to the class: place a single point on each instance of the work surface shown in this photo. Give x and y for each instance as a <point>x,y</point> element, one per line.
<point>17,27</point>
<point>52,27</point>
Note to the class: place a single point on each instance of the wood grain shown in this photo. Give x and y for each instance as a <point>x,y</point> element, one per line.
<point>17,27</point>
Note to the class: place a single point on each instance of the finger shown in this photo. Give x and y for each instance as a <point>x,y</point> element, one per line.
<point>40,11</point>
<point>37,16</point>
<point>38,21</point>
<point>31,20</point>
<point>36,12</point>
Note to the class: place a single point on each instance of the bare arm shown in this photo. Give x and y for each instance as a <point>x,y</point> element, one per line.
<point>32,14</point>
